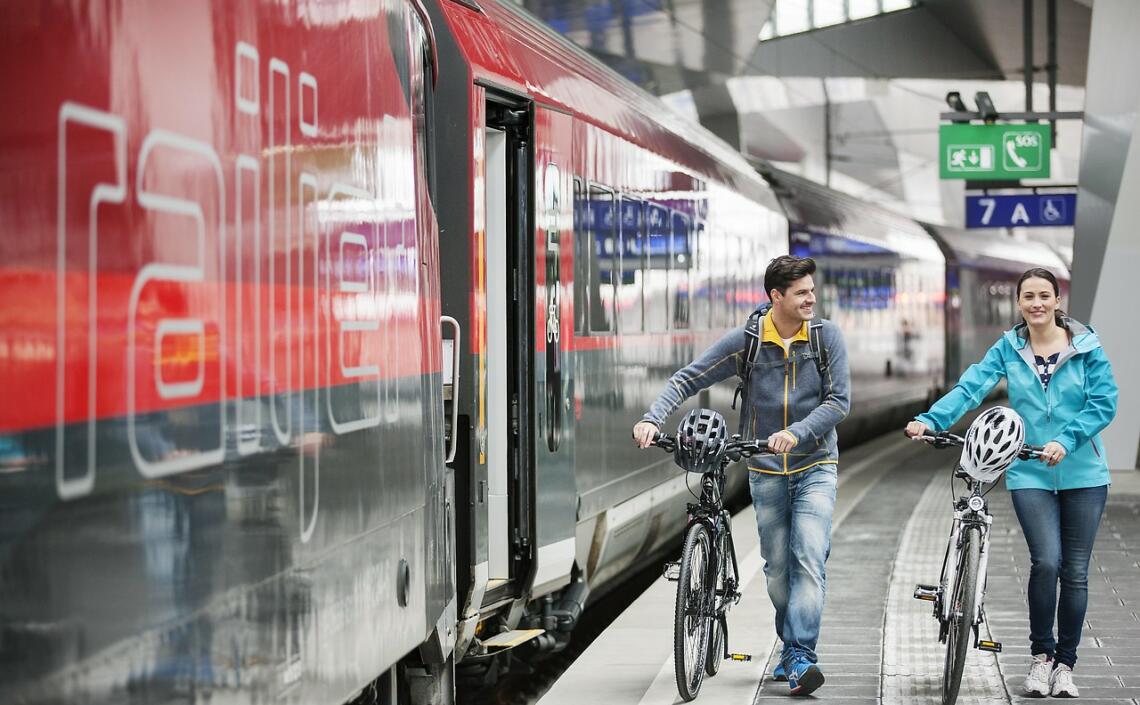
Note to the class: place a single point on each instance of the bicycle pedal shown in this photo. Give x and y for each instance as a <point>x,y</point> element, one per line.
<point>994,646</point>
<point>739,657</point>
<point>929,593</point>
<point>672,571</point>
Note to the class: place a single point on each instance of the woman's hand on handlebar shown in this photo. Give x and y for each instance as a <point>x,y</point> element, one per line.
<point>643,434</point>
<point>914,429</point>
<point>1053,453</point>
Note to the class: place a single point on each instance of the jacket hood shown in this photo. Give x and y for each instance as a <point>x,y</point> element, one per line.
<point>1084,337</point>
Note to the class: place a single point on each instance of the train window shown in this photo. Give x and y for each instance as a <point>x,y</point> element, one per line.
<point>699,279</point>
<point>630,283</point>
<point>598,243</point>
<point>581,260</point>
<point>656,281</point>
<point>722,280</point>
<point>680,269</point>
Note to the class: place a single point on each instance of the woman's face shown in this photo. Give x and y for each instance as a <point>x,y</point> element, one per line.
<point>1037,301</point>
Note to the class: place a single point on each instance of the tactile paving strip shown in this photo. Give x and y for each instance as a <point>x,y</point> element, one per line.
<point>913,658</point>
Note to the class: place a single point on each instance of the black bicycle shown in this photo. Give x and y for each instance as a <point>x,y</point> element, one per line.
<point>958,598</point>
<point>707,576</point>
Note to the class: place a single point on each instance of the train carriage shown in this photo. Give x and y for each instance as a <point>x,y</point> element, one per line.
<point>222,433</point>
<point>597,245</point>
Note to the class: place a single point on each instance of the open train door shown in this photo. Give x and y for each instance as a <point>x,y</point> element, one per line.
<point>505,396</point>
<point>487,284</point>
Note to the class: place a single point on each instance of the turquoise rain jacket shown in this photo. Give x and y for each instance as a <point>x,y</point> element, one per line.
<point>1078,404</point>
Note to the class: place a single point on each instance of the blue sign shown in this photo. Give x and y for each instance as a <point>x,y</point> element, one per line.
<point>1027,210</point>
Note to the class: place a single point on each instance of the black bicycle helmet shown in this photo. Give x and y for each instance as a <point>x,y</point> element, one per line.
<point>992,443</point>
<point>701,436</point>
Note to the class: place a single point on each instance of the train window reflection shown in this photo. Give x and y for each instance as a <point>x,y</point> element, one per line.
<point>596,253</point>
<point>656,280</point>
<point>630,284</point>
<point>680,270</point>
<point>700,281</point>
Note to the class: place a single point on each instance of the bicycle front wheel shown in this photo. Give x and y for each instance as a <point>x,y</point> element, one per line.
<point>961,615</point>
<point>691,619</point>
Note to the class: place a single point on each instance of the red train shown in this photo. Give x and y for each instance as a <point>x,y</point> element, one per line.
<point>322,328</point>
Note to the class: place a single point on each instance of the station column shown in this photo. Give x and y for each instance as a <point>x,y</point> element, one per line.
<point>1106,247</point>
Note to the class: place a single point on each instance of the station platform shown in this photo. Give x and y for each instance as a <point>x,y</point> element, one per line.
<point>878,644</point>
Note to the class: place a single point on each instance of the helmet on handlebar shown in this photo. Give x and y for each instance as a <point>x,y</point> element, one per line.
<point>992,443</point>
<point>701,437</point>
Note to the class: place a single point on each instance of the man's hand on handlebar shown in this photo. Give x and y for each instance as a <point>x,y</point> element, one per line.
<point>643,434</point>
<point>914,429</point>
<point>781,442</point>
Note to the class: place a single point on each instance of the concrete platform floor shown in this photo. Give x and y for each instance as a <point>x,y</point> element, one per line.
<point>878,644</point>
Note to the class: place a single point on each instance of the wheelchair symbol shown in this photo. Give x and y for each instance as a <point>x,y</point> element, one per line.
<point>1052,210</point>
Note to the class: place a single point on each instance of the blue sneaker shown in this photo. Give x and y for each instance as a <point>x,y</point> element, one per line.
<point>779,674</point>
<point>804,677</point>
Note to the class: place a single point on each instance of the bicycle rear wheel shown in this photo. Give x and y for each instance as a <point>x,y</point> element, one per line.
<point>691,618</point>
<point>961,615</point>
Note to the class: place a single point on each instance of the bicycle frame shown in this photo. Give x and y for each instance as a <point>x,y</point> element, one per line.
<point>964,517</point>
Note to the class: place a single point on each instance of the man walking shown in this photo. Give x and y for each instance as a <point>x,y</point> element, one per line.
<point>793,368</point>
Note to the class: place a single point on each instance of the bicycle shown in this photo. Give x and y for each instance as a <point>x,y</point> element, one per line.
<point>964,568</point>
<point>707,575</point>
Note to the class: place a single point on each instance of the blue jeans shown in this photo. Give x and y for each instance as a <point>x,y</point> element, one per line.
<point>1060,528</point>
<point>793,516</point>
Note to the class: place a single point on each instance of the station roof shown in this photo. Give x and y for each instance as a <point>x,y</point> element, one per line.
<point>671,45</point>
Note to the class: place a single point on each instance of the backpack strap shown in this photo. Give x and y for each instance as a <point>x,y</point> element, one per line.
<point>751,349</point>
<point>815,342</point>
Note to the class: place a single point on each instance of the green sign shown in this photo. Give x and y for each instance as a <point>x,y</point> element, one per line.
<point>994,151</point>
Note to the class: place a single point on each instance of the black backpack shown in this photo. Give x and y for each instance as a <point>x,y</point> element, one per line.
<point>752,336</point>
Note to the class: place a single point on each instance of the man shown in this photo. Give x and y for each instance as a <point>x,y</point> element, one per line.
<point>796,393</point>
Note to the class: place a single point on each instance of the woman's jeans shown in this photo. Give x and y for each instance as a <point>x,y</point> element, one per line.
<point>1060,528</point>
<point>793,515</point>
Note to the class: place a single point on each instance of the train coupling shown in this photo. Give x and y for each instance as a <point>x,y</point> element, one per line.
<point>672,571</point>
<point>929,593</point>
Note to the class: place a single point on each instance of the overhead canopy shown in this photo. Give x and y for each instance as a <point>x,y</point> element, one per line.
<point>671,45</point>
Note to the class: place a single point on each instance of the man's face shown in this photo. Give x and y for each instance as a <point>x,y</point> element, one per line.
<point>798,302</point>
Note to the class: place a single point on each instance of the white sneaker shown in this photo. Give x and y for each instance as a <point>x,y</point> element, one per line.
<point>1061,683</point>
<point>1037,683</point>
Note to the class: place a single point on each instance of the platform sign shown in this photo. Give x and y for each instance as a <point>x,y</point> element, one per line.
<point>994,152</point>
<point>1027,210</point>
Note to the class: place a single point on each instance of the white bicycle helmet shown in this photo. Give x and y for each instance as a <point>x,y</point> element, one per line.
<point>992,443</point>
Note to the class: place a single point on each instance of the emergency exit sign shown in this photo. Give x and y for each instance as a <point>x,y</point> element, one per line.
<point>994,152</point>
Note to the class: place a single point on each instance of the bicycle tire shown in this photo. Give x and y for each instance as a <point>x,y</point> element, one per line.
<point>718,624</point>
<point>715,653</point>
<point>961,616</point>
<point>690,618</point>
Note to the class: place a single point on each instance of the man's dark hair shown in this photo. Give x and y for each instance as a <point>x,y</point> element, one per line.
<point>784,270</point>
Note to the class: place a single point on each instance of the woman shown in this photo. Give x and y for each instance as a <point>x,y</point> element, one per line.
<point>1061,383</point>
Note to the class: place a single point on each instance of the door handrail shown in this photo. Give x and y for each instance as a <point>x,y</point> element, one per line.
<point>455,352</point>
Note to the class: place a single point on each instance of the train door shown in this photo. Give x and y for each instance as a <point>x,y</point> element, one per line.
<point>555,512</point>
<point>509,305</point>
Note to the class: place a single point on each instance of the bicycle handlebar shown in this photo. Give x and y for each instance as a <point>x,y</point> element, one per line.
<point>665,442</point>
<point>734,449</point>
<point>945,440</point>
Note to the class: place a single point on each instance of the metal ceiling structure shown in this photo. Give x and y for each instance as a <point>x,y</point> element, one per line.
<point>671,45</point>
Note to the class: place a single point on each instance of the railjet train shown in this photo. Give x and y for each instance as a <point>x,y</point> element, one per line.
<point>323,326</point>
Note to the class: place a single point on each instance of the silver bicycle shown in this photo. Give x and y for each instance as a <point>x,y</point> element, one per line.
<point>960,593</point>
